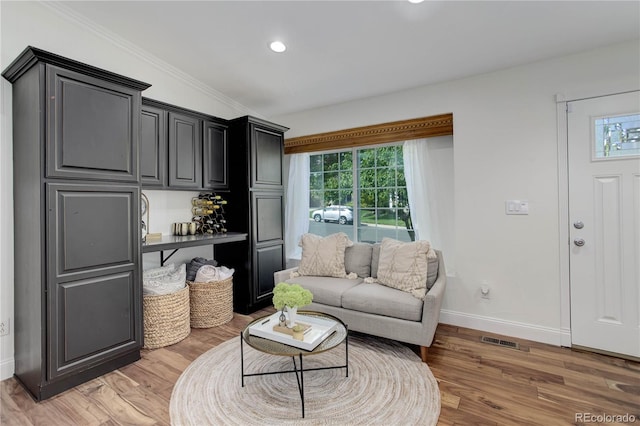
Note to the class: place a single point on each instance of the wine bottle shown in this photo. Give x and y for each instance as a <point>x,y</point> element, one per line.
<point>199,202</point>
<point>211,197</point>
<point>201,211</point>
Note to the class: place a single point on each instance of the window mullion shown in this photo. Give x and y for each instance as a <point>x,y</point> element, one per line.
<point>355,164</point>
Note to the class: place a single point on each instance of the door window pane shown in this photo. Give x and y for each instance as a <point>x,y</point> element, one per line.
<point>617,136</point>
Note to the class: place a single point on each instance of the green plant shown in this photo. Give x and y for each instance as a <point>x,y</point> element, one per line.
<point>292,295</point>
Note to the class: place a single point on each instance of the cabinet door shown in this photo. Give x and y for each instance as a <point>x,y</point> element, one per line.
<point>91,320</point>
<point>268,217</point>
<point>267,261</point>
<point>91,227</point>
<point>153,147</point>
<point>93,280</point>
<point>92,128</point>
<point>267,241</point>
<point>185,151</point>
<point>266,157</point>
<point>215,156</point>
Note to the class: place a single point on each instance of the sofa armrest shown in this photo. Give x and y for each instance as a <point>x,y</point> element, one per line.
<point>283,275</point>
<point>433,300</point>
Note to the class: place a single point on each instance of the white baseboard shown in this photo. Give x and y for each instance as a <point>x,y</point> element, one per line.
<point>7,368</point>
<point>552,336</point>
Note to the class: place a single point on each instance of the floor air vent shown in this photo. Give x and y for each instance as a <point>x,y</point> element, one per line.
<point>505,343</point>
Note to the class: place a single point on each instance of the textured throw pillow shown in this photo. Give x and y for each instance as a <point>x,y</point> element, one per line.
<point>404,266</point>
<point>323,256</point>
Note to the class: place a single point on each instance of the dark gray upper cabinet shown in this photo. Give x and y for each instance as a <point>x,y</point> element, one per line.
<point>77,260</point>
<point>215,156</point>
<point>93,127</point>
<point>182,149</point>
<point>267,150</point>
<point>185,151</point>
<point>153,147</point>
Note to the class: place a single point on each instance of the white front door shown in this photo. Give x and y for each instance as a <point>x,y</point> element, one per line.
<point>604,215</point>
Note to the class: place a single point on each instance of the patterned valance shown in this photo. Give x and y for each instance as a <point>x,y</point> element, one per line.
<point>417,128</point>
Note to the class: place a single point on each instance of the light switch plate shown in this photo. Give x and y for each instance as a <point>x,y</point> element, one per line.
<point>516,207</point>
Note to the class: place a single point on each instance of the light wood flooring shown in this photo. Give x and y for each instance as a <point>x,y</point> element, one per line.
<point>480,384</point>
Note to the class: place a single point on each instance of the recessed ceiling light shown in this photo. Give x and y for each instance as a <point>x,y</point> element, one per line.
<point>278,46</point>
<point>415,1</point>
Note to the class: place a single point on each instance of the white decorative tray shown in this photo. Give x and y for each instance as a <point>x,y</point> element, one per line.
<point>320,329</point>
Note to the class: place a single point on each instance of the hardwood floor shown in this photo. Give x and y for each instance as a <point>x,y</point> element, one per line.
<point>480,384</point>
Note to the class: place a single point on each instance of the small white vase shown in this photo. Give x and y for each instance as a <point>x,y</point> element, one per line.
<point>293,313</point>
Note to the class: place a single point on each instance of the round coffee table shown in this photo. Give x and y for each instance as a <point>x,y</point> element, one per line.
<point>341,334</point>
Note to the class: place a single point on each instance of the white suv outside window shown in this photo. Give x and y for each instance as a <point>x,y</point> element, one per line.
<point>340,214</point>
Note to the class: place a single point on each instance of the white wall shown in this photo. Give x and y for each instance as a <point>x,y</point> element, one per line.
<point>39,25</point>
<point>505,147</point>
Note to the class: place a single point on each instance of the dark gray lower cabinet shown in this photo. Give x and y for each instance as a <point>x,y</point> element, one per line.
<point>93,296</point>
<point>93,269</point>
<point>77,260</point>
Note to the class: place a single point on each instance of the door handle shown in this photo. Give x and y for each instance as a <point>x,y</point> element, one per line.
<point>579,242</point>
<point>578,224</point>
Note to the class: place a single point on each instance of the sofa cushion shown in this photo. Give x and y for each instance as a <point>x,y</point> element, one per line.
<point>323,256</point>
<point>432,271</point>
<point>375,257</point>
<point>357,258</point>
<point>403,266</point>
<point>327,291</point>
<point>382,300</point>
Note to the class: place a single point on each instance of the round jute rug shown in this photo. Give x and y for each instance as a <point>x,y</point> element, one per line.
<point>387,385</point>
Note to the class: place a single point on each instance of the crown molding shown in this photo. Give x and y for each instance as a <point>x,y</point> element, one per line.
<point>135,50</point>
<point>417,128</point>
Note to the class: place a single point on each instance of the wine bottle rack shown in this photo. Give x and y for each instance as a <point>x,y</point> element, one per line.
<point>208,214</point>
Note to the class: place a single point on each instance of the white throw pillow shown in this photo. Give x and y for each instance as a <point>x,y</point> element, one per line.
<point>404,266</point>
<point>323,256</point>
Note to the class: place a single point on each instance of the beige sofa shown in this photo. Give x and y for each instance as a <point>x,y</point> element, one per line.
<point>373,308</point>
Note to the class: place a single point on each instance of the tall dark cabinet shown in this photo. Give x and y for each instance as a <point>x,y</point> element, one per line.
<point>256,206</point>
<point>76,179</point>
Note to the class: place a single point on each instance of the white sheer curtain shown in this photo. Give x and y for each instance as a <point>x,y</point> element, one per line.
<point>428,169</point>
<point>297,207</point>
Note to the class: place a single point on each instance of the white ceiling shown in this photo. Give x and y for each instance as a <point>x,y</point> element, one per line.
<point>344,50</point>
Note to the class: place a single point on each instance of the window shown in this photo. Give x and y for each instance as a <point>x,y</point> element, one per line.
<point>617,136</point>
<point>380,206</point>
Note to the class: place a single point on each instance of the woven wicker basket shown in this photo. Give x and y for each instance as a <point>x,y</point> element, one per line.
<point>211,303</point>
<point>166,319</point>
